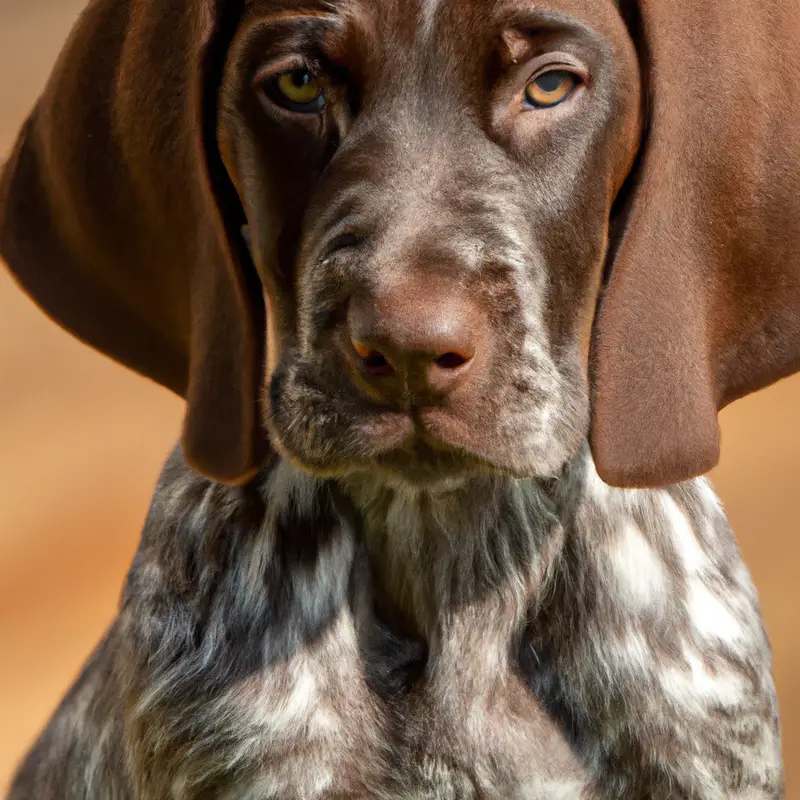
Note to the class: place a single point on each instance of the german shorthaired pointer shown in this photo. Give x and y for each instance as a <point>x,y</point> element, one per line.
<point>454,290</point>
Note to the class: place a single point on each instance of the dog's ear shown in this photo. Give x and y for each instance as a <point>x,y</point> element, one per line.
<point>702,301</point>
<point>117,217</point>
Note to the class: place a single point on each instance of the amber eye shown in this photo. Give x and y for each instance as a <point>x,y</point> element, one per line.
<point>551,88</point>
<point>297,90</point>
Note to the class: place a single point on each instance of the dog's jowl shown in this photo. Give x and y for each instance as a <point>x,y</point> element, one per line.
<point>454,290</point>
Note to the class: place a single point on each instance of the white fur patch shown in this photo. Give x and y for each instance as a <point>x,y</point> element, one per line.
<point>692,557</point>
<point>724,687</point>
<point>596,487</point>
<point>711,618</point>
<point>698,685</point>
<point>709,498</point>
<point>281,712</point>
<point>428,13</point>
<point>629,655</point>
<point>639,573</point>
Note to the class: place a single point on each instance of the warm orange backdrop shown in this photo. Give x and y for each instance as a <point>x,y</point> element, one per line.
<point>82,440</point>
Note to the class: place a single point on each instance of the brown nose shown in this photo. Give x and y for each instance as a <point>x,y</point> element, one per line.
<point>408,346</point>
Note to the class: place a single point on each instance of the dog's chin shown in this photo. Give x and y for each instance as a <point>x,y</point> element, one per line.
<point>426,465</point>
<point>335,435</point>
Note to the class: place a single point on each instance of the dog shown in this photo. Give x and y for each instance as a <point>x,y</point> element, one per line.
<point>454,290</point>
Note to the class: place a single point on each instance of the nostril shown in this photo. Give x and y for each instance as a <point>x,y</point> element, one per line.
<point>451,360</point>
<point>372,361</point>
<point>376,364</point>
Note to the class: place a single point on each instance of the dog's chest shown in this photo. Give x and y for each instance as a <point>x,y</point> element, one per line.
<point>472,729</point>
<point>466,727</point>
<point>544,665</point>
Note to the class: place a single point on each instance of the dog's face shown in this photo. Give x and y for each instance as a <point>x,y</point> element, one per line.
<point>432,246</point>
<point>428,187</point>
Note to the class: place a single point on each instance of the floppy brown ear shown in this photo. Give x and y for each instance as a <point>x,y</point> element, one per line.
<point>111,218</point>
<point>702,303</point>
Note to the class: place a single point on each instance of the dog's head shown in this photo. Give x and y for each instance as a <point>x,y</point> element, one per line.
<point>433,236</point>
<point>450,169</point>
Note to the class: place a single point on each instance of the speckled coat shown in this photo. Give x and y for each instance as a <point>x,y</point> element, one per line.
<point>417,581</point>
<point>563,640</point>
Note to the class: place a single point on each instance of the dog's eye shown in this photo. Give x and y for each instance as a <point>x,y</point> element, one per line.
<point>297,90</point>
<point>551,88</point>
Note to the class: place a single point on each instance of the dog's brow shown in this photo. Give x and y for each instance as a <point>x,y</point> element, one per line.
<point>302,7</point>
<point>524,15</point>
<point>340,20</point>
<point>270,11</point>
<point>288,15</point>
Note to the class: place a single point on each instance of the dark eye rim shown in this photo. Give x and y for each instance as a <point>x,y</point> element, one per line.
<point>578,78</point>
<point>270,89</point>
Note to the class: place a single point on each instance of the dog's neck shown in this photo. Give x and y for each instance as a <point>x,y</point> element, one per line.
<point>488,550</point>
<point>493,547</point>
<point>484,545</point>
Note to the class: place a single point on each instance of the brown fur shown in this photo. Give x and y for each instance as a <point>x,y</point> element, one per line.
<point>139,252</point>
<point>355,584</point>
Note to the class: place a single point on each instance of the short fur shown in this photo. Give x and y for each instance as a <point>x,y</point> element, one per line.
<point>537,640</point>
<point>352,586</point>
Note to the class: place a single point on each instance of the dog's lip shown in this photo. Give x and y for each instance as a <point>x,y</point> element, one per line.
<point>415,446</point>
<point>424,448</point>
<point>430,441</point>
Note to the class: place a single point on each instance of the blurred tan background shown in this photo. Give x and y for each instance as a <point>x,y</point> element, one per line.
<point>82,441</point>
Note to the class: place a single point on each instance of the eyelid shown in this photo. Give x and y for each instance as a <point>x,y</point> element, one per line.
<point>549,62</point>
<point>272,69</point>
